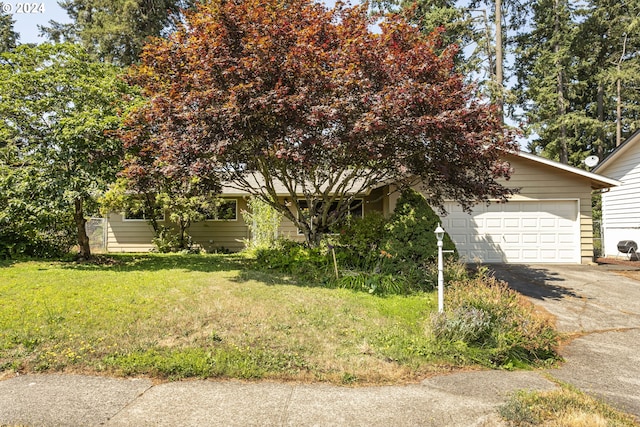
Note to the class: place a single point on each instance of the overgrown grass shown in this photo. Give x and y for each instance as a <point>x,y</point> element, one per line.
<point>565,407</point>
<point>176,316</point>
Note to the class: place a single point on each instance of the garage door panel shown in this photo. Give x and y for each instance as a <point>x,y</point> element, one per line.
<point>512,223</point>
<point>525,231</point>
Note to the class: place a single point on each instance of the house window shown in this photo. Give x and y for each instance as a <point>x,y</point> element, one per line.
<point>138,214</point>
<point>356,209</point>
<point>227,210</point>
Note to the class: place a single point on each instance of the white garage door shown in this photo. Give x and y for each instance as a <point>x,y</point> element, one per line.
<point>516,231</point>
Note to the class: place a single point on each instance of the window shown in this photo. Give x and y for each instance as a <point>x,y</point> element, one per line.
<point>227,210</point>
<point>138,214</point>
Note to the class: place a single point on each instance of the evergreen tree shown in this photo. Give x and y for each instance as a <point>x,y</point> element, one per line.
<point>547,78</point>
<point>8,37</point>
<point>115,30</point>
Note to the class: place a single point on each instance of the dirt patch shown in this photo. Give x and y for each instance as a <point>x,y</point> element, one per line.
<point>632,273</point>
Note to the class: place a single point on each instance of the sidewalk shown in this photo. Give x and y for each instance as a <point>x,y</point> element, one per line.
<point>464,399</point>
<point>601,306</point>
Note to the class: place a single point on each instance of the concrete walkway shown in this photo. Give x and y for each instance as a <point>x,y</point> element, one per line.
<point>604,308</point>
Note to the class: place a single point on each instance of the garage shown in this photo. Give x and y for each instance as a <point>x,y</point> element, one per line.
<point>531,231</point>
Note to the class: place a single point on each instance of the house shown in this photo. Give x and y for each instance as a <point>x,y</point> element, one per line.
<point>621,204</point>
<point>549,221</point>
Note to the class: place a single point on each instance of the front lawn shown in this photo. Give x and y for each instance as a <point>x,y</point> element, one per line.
<point>175,316</point>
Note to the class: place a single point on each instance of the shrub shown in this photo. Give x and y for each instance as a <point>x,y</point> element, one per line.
<point>373,283</point>
<point>287,256</point>
<point>263,221</point>
<point>486,314</point>
<point>410,244</point>
<point>359,241</point>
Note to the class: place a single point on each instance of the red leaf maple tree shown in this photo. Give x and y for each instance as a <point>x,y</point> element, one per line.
<point>273,96</point>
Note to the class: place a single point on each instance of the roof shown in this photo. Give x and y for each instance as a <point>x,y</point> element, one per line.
<point>597,181</point>
<point>620,151</point>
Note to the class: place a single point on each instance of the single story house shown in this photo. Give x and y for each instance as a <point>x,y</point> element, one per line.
<point>548,221</point>
<point>621,204</point>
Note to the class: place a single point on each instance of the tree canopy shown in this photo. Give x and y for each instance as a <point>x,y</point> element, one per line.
<point>287,94</point>
<point>57,109</point>
<point>115,30</point>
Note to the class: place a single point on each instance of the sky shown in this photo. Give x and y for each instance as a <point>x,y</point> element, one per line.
<point>28,18</point>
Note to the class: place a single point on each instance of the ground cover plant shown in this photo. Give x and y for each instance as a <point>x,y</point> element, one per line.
<point>174,316</point>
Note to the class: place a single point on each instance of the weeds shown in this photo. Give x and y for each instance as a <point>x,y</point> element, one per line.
<point>498,325</point>
<point>566,406</point>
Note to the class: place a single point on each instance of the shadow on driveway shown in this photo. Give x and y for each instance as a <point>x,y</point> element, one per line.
<point>534,282</point>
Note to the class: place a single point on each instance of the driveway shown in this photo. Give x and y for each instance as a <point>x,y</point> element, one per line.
<point>599,310</point>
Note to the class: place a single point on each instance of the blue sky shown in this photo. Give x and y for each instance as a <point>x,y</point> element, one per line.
<point>27,23</point>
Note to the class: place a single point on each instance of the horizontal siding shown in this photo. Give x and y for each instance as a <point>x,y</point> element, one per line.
<point>538,181</point>
<point>621,205</point>
<point>128,236</point>
<point>137,236</point>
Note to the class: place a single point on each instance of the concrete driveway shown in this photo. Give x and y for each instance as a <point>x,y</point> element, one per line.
<point>600,310</point>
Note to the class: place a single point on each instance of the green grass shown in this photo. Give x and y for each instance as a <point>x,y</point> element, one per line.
<point>175,316</point>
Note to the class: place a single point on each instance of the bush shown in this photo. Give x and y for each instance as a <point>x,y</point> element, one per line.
<point>410,246</point>
<point>373,283</point>
<point>486,314</point>
<point>359,241</point>
<point>410,236</point>
<point>295,258</point>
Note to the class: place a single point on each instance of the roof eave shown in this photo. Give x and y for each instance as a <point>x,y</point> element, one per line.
<point>598,182</point>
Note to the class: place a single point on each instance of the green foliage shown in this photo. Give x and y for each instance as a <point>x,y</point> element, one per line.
<point>410,231</point>
<point>263,222</point>
<point>8,37</point>
<point>297,259</point>
<point>373,254</point>
<point>409,247</point>
<point>373,283</point>
<point>31,223</point>
<point>359,241</point>
<point>497,323</point>
<point>115,30</point>
<point>58,111</point>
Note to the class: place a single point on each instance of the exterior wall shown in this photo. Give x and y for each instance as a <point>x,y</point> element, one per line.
<point>128,235</point>
<point>621,205</point>
<point>125,235</point>
<point>537,181</point>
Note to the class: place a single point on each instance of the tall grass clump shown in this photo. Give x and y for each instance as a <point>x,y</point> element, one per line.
<point>494,325</point>
<point>566,406</point>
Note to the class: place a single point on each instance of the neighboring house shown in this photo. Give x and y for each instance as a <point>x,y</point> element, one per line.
<point>621,205</point>
<point>549,221</point>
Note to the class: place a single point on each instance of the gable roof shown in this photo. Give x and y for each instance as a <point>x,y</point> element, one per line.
<point>597,181</point>
<point>619,152</point>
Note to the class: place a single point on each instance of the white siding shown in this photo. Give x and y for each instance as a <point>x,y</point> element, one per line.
<point>621,205</point>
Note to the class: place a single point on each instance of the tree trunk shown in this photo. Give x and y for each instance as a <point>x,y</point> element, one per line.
<point>601,133</point>
<point>499,60</point>
<point>83,239</point>
<point>619,113</point>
